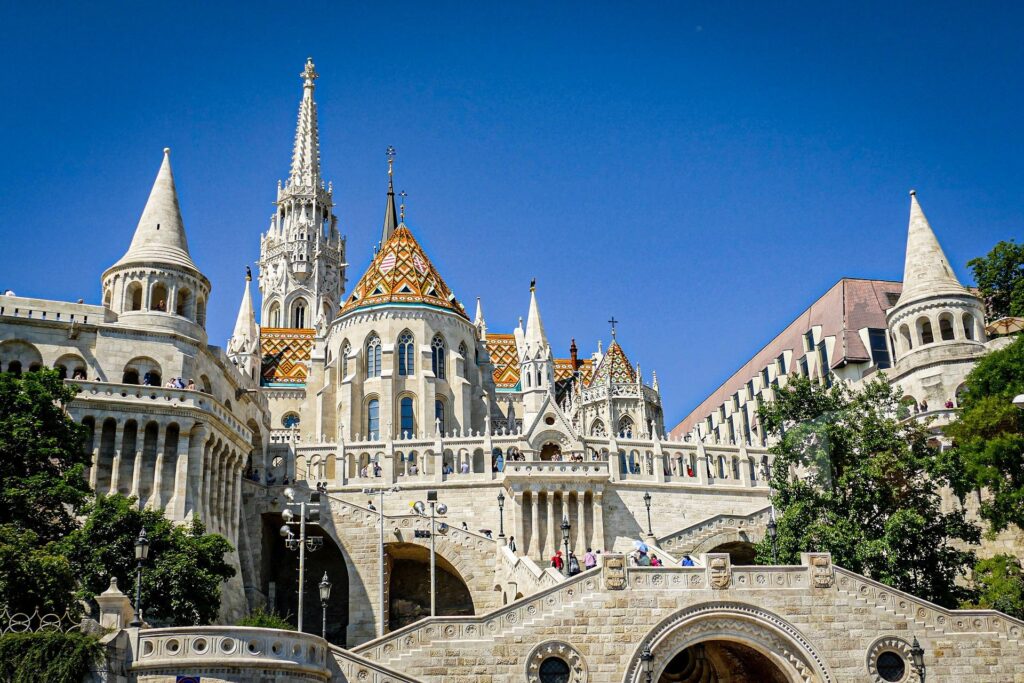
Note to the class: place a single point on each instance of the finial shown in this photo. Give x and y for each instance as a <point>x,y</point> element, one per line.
<point>401,208</point>
<point>533,285</point>
<point>167,151</point>
<point>309,73</point>
<point>913,193</point>
<point>613,322</point>
<point>248,274</point>
<point>391,159</point>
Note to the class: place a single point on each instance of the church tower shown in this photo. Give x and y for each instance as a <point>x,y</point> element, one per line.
<point>302,254</point>
<point>937,325</point>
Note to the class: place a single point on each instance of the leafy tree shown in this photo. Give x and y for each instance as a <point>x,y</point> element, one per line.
<point>42,483</point>
<point>49,656</point>
<point>852,479</point>
<point>988,436</point>
<point>184,572</point>
<point>262,618</point>
<point>1000,584</point>
<point>1000,278</point>
<point>33,575</point>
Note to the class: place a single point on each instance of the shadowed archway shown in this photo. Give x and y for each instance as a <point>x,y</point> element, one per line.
<point>409,586</point>
<point>721,661</point>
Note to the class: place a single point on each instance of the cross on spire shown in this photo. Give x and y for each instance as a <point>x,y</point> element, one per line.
<point>401,208</point>
<point>613,322</point>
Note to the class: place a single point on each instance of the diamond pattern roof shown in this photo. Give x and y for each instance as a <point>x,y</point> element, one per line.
<point>505,358</point>
<point>614,368</point>
<point>286,352</point>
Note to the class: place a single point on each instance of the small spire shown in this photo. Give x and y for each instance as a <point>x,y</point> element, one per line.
<point>390,221</point>
<point>309,74</point>
<point>478,320</point>
<point>305,169</point>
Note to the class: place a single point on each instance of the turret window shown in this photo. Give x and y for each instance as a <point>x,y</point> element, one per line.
<point>626,428</point>
<point>346,349</point>
<point>134,297</point>
<point>969,326</point>
<point>158,298</point>
<point>181,305</point>
<point>946,327</point>
<point>437,357</point>
<point>275,315</point>
<point>373,357</point>
<point>406,354</point>
<point>373,419</point>
<point>299,314</point>
<point>924,331</point>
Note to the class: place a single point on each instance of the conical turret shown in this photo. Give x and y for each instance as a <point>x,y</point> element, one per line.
<point>926,271</point>
<point>243,346</point>
<point>305,171</point>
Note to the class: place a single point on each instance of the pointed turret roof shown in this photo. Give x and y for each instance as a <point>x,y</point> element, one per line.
<point>614,368</point>
<point>390,215</point>
<point>305,171</point>
<point>926,271</point>
<point>160,235</point>
<point>245,324</point>
<point>535,338</point>
<point>401,273</point>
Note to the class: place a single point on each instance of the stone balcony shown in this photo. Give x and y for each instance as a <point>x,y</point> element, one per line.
<point>546,470</point>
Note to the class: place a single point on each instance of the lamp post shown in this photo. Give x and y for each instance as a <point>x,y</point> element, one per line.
<point>647,662</point>
<point>773,531</point>
<point>436,510</point>
<point>917,656</point>
<point>565,540</point>
<point>141,553</point>
<point>647,502</point>
<point>325,595</point>
<point>303,542</point>
<point>383,608</point>
<point>501,515</point>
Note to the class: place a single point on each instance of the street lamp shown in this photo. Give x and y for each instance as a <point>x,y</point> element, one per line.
<point>917,656</point>
<point>383,608</point>
<point>141,553</point>
<point>436,510</point>
<point>647,502</point>
<point>325,595</point>
<point>773,532</point>
<point>302,543</point>
<point>501,514</point>
<point>565,540</point>
<point>647,662</point>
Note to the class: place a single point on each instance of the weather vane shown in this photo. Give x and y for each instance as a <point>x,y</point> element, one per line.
<point>391,158</point>
<point>401,208</point>
<point>613,322</point>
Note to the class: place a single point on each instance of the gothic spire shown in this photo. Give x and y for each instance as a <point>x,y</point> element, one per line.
<point>245,323</point>
<point>160,234</point>
<point>306,153</point>
<point>926,271</point>
<point>478,320</point>
<point>535,337</point>
<point>390,215</point>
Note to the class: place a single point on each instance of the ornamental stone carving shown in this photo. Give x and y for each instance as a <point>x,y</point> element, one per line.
<point>613,572</point>
<point>822,575</point>
<point>719,570</point>
<point>578,671</point>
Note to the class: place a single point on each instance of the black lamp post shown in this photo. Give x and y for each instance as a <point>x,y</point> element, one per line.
<point>917,656</point>
<point>773,532</point>
<point>647,502</point>
<point>647,662</point>
<point>141,553</point>
<point>501,515</point>
<point>325,595</point>
<point>565,541</point>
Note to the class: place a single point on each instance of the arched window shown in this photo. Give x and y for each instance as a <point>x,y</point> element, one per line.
<point>463,351</point>
<point>134,296</point>
<point>346,349</point>
<point>626,428</point>
<point>373,419</point>
<point>108,297</point>
<point>407,421</point>
<point>437,357</point>
<point>373,357</point>
<point>924,330</point>
<point>597,429</point>
<point>14,367</point>
<point>290,420</point>
<point>946,327</point>
<point>130,376</point>
<point>406,354</point>
<point>158,298</point>
<point>906,338</point>
<point>969,326</point>
<point>275,315</point>
<point>439,415</point>
<point>299,314</point>
<point>201,312</point>
<point>182,302</point>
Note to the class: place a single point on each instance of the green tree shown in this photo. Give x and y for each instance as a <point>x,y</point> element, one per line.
<point>33,575</point>
<point>1000,278</point>
<point>186,566</point>
<point>42,482</point>
<point>853,479</point>
<point>1000,584</point>
<point>988,436</point>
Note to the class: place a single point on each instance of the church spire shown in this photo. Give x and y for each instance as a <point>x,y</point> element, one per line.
<point>390,215</point>
<point>478,320</point>
<point>160,234</point>
<point>305,170</point>
<point>926,271</point>
<point>243,346</point>
<point>535,337</point>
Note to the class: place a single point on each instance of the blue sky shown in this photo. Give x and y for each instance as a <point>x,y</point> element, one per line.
<point>700,171</point>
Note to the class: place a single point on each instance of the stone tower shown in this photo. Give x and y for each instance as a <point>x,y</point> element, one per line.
<point>244,345</point>
<point>302,254</point>
<point>536,363</point>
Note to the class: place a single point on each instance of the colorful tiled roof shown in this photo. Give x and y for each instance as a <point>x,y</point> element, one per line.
<point>402,273</point>
<point>614,368</point>
<point>505,358</point>
<point>286,352</point>
<point>564,370</point>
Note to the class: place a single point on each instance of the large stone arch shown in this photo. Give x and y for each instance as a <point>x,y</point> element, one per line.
<point>727,537</point>
<point>409,585</point>
<point>748,625</point>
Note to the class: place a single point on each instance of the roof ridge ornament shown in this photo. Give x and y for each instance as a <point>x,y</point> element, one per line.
<point>309,74</point>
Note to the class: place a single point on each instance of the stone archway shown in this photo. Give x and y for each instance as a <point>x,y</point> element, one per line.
<point>550,451</point>
<point>741,553</point>
<point>409,586</point>
<point>728,642</point>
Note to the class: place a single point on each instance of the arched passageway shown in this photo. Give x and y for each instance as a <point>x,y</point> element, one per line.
<point>721,661</point>
<point>281,580</point>
<point>551,451</point>
<point>409,586</point>
<point>740,552</point>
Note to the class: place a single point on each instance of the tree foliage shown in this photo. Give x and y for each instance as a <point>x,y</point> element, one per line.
<point>49,656</point>
<point>42,483</point>
<point>1000,584</point>
<point>33,575</point>
<point>262,618</point>
<point>852,479</point>
<point>1000,278</point>
<point>182,578</point>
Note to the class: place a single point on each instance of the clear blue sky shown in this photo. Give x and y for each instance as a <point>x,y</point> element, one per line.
<point>701,172</point>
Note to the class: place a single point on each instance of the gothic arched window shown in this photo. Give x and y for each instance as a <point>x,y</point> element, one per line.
<point>275,315</point>
<point>597,429</point>
<point>439,415</point>
<point>299,314</point>
<point>346,349</point>
<point>626,428</point>
<point>463,351</point>
<point>373,357</point>
<point>437,356</point>
<point>406,415</point>
<point>373,419</point>
<point>406,354</point>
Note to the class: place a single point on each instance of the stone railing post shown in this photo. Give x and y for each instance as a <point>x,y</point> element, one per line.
<point>115,609</point>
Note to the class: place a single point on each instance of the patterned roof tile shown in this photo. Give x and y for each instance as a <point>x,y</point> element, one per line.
<point>286,352</point>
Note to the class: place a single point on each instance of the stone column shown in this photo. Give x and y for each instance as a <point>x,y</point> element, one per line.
<point>535,549</point>
<point>140,449</point>
<point>581,522</point>
<point>194,471</point>
<point>156,498</point>
<point>550,538</point>
<point>214,495</point>
<point>94,448</point>
<point>204,483</point>
<point>236,499</point>
<point>177,502</point>
<point>518,525</point>
<point>659,467</point>
<point>702,468</point>
<point>598,534</point>
<point>116,465</point>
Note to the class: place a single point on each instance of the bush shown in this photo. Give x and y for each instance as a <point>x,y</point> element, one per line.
<point>262,618</point>
<point>49,656</point>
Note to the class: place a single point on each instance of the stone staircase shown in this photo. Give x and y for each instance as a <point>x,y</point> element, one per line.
<point>688,539</point>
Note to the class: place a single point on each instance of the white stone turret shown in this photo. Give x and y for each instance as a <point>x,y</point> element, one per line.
<point>302,254</point>
<point>156,283</point>
<point>536,363</point>
<point>244,345</point>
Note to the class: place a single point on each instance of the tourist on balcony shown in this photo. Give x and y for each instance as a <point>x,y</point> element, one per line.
<point>574,564</point>
<point>362,471</point>
<point>687,561</point>
<point>512,543</point>
<point>589,559</point>
<point>924,406</point>
<point>370,505</point>
<point>191,385</point>
<point>147,379</point>
<point>655,562</point>
<point>949,404</point>
<point>465,467</point>
<point>377,471</point>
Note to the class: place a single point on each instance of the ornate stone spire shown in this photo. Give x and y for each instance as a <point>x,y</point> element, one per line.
<point>305,170</point>
<point>160,235</point>
<point>478,320</point>
<point>926,271</point>
<point>390,215</point>
<point>535,337</point>
<point>243,346</point>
